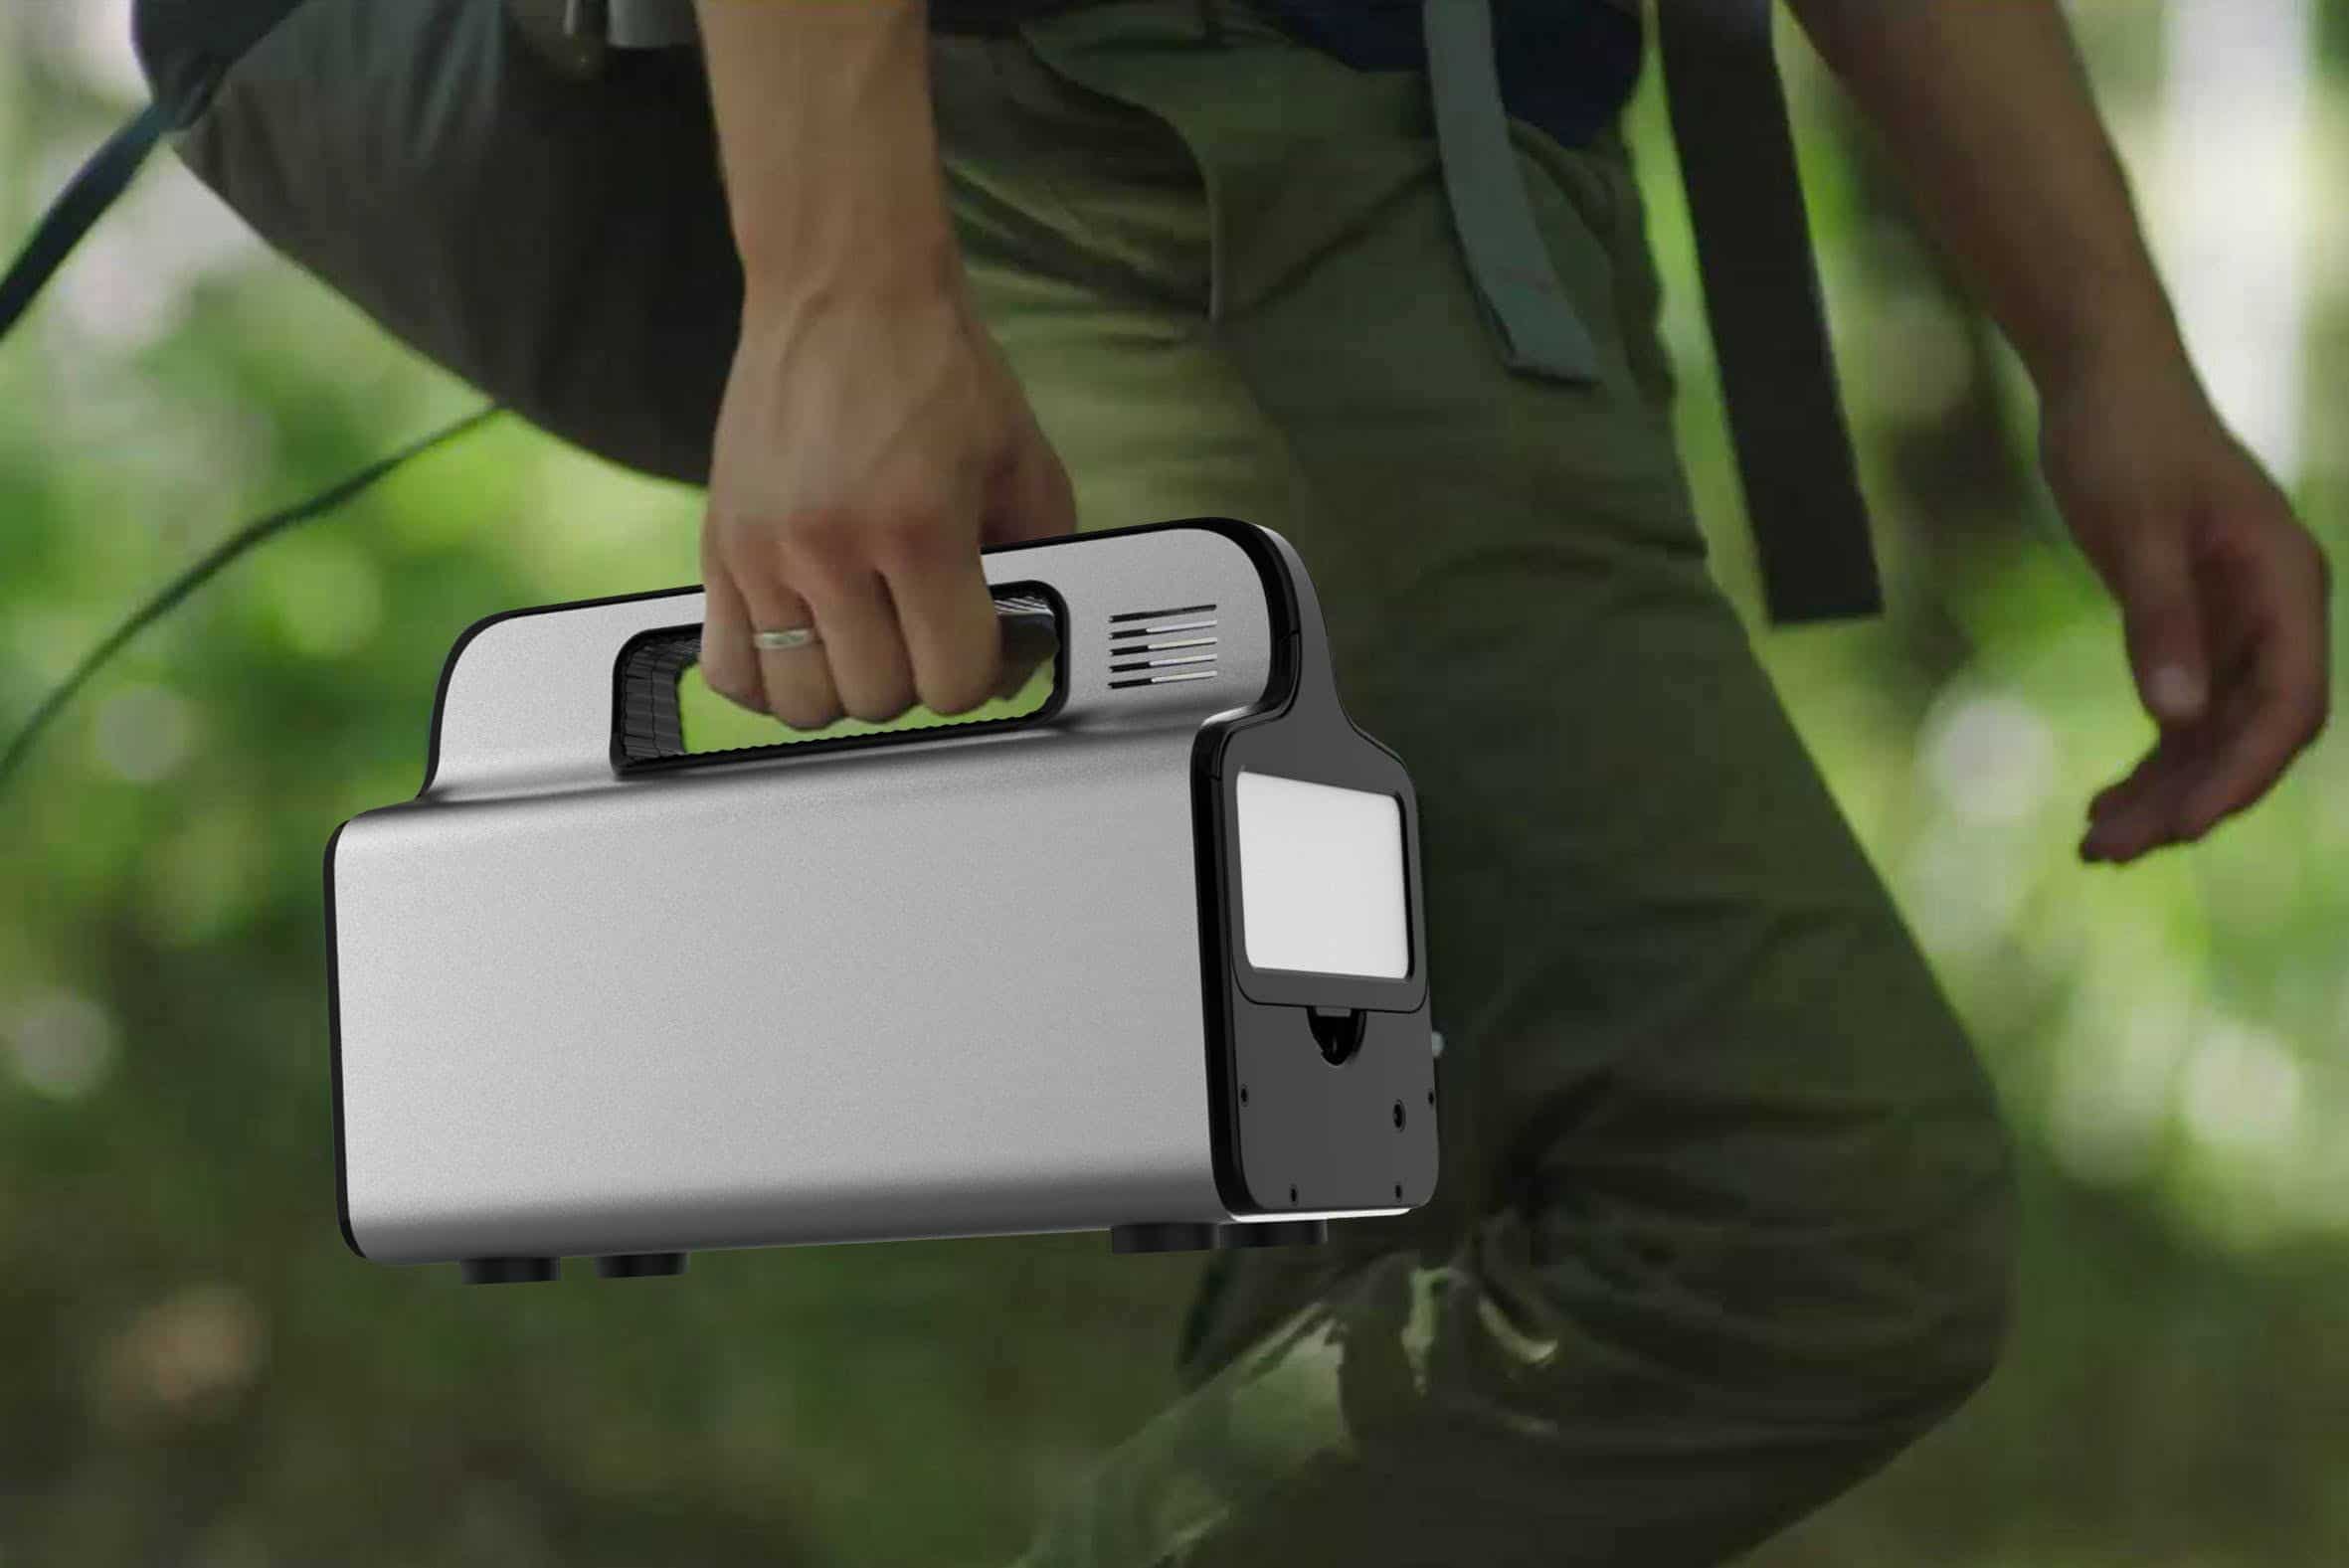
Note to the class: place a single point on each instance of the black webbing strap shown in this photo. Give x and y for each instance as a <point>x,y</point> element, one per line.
<point>85,200</point>
<point>83,203</point>
<point>1769,329</point>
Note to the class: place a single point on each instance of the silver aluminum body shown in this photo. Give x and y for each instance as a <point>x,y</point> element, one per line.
<point>949,985</point>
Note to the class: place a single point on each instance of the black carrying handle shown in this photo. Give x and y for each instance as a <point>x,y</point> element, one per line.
<point>649,729</point>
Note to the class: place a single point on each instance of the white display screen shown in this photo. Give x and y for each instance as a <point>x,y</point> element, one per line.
<point>1321,878</point>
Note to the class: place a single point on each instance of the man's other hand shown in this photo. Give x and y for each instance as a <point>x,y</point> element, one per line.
<point>2223,598</point>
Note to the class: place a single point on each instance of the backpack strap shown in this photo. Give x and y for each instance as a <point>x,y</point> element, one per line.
<point>85,200</point>
<point>1769,328</point>
<point>1761,285</point>
<point>1540,332</point>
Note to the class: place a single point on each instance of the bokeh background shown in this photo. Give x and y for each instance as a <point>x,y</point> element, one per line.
<point>193,1372</point>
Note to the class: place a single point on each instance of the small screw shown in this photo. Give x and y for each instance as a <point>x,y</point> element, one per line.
<point>1292,1195</point>
<point>1243,1093</point>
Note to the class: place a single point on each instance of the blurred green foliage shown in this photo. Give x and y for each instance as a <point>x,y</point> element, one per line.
<point>192,1369</point>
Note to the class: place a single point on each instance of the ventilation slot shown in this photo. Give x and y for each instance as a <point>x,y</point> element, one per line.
<point>1159,648</point>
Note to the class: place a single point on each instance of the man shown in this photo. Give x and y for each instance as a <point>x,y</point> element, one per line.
<point>1724,1216</point>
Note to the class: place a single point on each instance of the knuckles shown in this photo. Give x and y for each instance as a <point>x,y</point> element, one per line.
<point>880,707</point>
<point>819,551</point>
<point>804,716</point>
<point>949,699</point>
<point>810,546</point>
<point>737,693</point>
<point>837,540</point>
<point>909,538</point>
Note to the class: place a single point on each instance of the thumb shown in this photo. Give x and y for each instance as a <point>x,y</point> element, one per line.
<point>1031,497</point>
<point>2162,621</point>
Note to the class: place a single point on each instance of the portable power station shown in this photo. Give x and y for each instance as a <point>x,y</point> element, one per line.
<point>1148,958</point>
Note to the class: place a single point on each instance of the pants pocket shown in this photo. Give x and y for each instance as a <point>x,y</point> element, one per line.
<point>1051,178</point>
<point>1592,193</point>
<point>1294,150</point>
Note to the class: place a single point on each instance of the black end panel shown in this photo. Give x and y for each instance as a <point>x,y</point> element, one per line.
<point>1321,1088</point>
<point>1310,1135</point>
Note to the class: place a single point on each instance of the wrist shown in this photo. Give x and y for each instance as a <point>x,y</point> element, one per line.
<point>828,145</point>
<point>2109,345</point>
<point>833,198</point>
<point>903,272</point>
<point>778,310</point>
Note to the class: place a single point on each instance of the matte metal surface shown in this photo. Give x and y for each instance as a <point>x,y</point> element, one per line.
<point>797,998</point>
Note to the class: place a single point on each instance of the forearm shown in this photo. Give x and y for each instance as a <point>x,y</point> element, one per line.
<point>1987,113</point>
<point>827,142</point>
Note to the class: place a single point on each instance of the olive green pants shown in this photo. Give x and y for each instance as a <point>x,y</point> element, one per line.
<point>1722,1218</point>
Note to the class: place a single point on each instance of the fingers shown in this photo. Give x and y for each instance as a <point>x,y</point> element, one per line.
<point>2285,693</point>
<point>2163,626</point>
<point>2135,815</point>
<point>2267,618</point>
<point>901,607</point>
<point>948,616</point>
<point>728,664</point>
<point>798,681</point>
<point>832,561</point>
<point>748,594</point>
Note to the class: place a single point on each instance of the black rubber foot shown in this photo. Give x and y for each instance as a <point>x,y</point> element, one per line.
<point>640,1265</point>
<point>1274,1233</point>
<point>510,1271</point>
<point>1166,1236</point>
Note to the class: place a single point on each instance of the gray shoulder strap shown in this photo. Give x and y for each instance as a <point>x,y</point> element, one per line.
<point>1540,332</point>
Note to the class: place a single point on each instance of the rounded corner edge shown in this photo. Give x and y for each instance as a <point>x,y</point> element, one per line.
<point>342,1184</point>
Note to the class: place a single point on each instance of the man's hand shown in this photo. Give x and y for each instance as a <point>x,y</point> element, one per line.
<point>2223,598</point>
<point>867,450</point>
<point>872,439</point>
<point>1987,111</point>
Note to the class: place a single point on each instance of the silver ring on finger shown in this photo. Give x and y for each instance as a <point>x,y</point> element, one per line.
<point>784,640</point>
